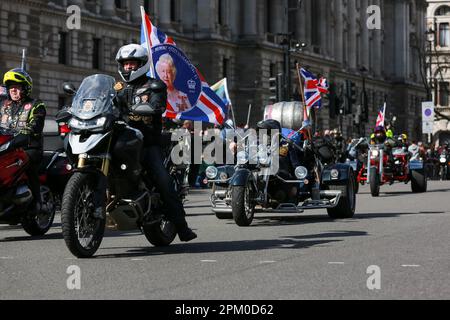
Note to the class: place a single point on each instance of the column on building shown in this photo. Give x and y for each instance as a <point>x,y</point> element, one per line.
<point>352,32</point>
<point>364,35</point>
<point>376,45</point>
<point>338,31</point>
<point>402,47</point>
<point>135,10</point>
<point>249,18</point>
<point>164,12</point>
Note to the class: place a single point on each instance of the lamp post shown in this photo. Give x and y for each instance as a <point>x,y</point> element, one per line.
<point>430,35</point>
<point>431,40</point>
<point>364,106</point>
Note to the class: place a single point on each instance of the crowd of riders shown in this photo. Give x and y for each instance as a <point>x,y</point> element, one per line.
<point>25,114</point>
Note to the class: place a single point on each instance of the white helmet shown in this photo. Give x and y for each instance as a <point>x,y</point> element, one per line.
<point>134,52</point>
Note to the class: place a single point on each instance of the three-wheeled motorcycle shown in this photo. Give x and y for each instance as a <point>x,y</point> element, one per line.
<point>267,176</point>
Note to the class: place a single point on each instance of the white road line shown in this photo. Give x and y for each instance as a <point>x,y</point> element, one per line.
<point>410,265</point>
<point>137,259</point>
<point>209,260</point>
<point>7,258</point>
<point>267,261</point>
<point>341,263</point>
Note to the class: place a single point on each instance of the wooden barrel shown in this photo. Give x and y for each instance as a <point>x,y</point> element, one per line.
<point>289,114</point>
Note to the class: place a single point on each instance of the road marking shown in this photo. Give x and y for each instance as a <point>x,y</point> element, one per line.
<point>341,263</point>
<point>137,259</point>
<point>410,265</point>
<point>209,260</point>
<point>267,261</point>
<point>7,258</point>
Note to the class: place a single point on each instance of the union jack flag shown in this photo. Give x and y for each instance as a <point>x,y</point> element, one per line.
<point>313,89</point>
<point>381,116</point>
<point>208,106</point>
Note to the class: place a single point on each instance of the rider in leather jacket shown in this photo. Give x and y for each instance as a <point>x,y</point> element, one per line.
<point>26,115</point>
<point>137,87</point>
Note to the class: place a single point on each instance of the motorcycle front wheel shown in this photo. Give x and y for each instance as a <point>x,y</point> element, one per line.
<point>82,231</point>
<point>37,224</point>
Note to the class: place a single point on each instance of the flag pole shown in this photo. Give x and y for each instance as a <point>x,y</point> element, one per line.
<point>305,111</point>
<point>249,112</point>
<point>147,40</point>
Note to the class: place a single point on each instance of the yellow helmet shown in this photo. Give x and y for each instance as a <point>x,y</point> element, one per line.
<point>389,134</point>
<point>19,76</point>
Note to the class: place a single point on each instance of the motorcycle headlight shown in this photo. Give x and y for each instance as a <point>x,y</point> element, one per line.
<point>211,172</point>
<point>374,154</point>
<point>263,157</point>
<point>223,176</point>
<point>5,146</point>
<point>301,173</point>
<point>443,160</point>
<point>334,174</point>
<point>242,157</point>
<point>87,124</point>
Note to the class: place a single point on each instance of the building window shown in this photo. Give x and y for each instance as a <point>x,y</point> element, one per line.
<point>315,23</point>
<point>96,54</point>
<point>443,11</point>
<point>147,6</point>
<point>173,11</point>
<point>220,12</point>
<point>119,4</point>
<point>443,93</point>
<point>273,70</point>
<point>444,34</point>
<point>225,66</point>
<point>62,51</point>
<point>268,16</point>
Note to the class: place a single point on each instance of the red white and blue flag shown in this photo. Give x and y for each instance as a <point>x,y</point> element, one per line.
<point>194,99</point>
<point>381,116</point>
<point>313,89</point>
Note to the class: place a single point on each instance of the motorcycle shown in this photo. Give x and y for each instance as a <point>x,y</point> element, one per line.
<point>316,184</point>
<point>398,168</point>
<point>16,197</point>
<point>108,181</point>
<point>357,152</point>
<point>444,162</point>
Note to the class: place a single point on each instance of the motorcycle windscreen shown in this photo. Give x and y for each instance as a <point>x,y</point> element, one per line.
<point>94,97</point>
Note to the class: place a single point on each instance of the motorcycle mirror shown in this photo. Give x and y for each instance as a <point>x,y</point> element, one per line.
<point>69,89</point>
<point>63,116</point>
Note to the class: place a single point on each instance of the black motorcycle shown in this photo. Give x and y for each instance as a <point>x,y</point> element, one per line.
<point>108,181</point>
<point>318,182</point>
<point>444,164</point>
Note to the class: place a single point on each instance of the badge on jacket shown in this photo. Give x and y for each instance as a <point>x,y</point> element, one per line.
<point>118,86</point>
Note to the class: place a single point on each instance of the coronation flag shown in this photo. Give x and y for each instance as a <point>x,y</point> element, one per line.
<point>189,95</point>
<point>381,116</point>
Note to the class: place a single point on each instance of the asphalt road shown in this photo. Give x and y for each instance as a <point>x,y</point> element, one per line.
<point>396,247</point>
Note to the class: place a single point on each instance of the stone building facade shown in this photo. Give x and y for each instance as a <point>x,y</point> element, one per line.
<point>237,39</point>
<point>438,76</point>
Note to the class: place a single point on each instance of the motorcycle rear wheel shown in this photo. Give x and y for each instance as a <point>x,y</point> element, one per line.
<point>161,233</point>
<point>82,232</point>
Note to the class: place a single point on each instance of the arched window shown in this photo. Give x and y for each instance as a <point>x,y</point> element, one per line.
<point>442,11</point>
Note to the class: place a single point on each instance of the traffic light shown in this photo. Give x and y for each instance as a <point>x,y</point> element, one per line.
<point>276,88</point>
<point>350,90</point>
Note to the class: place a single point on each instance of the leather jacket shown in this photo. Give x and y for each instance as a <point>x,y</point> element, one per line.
<point>144,90</point>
